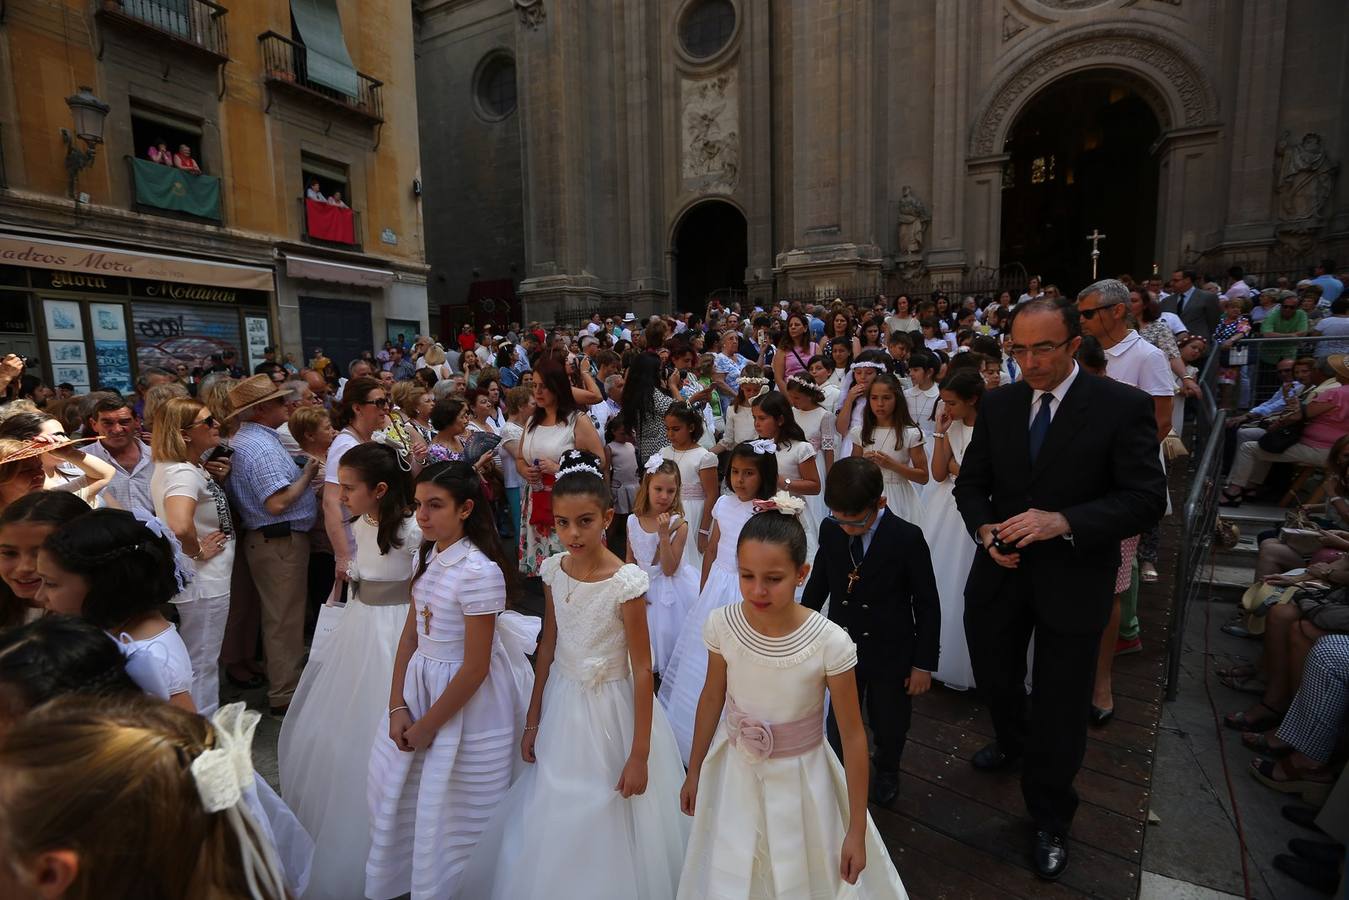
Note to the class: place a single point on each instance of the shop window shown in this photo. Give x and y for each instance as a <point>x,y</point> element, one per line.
<point>326,203</point>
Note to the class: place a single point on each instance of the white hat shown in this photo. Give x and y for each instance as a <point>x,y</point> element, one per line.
<point>629,317</point>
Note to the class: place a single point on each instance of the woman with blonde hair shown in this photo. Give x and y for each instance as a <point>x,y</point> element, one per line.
<point>194,506</point>
<point>123,797</point>
<point>413,402</point>
<point>434,359</point>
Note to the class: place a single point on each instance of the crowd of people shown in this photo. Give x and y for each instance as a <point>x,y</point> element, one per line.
<point>429,562</point>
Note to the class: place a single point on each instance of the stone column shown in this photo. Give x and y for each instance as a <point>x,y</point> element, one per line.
<point>983,209</point>
<point>945,255</point>
<point>1191,214</point>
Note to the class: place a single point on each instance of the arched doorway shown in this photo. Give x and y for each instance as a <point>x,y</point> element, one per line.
<point>1081,159</point>
<point>711,252</point>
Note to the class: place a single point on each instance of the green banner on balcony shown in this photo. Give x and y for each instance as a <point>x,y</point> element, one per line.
<point>165,187</point>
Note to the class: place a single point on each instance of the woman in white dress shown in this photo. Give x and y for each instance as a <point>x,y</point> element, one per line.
<point>775,815</point>
<point>657,532</point>
<point>752,475</point>
<point>191,503</point>
<point>890,439</point>
<point>556,426</point>
<point>697,477</point>
<point>326,737</point>
<point>952,550</point>
<point>817,423</point>
<point>445,758</point>
<point>595,815</point>
<point>798,467</point>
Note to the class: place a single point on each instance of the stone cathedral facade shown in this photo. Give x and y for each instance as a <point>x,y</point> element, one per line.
<point>644,154</point>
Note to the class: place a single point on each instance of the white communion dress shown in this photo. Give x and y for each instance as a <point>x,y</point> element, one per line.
<point>790,459</point>
<point>901,494</point>
<point>692,463</point>
<point>324,748</point>
<point>772,805</point>
<point>428,807</point>
<point>682,681</point>
<point>669,597</point>
<point>952,556</point>
<point>818,425</point>
<point>564,832</point>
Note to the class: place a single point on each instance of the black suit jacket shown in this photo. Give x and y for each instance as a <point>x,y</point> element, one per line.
<point>1099,467</point>
<point>893,614</point>
<point>1200,314</point>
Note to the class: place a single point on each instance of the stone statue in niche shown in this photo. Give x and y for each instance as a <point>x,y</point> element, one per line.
<point>711,135</point>
<point>914,219</point>
<point>1305,185</point>
<point>531,13</point>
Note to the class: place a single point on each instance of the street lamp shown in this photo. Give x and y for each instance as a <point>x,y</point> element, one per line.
<point>88,112</point>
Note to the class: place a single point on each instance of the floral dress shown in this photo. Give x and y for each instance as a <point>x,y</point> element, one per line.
<point>1226,330</point>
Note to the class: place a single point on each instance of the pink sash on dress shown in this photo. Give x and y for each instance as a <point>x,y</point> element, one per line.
<point>760,740</point>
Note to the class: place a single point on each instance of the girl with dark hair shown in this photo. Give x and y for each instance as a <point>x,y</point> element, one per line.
<point>24,525</point>
<point>325,739</point>
<point>889,438</point>
<point>117,571</point>
<point>364,410</point>
<point>460,681</point>
<point>755,685</point>
<point>556,426</point>
<point>798,463</point>
<point>752,475</point>
<point>592,730</point>
<point>645,403</point>
<point>697,475</point>
<point>947,537</point>
<point>840,331</point>
<point>817,423</point>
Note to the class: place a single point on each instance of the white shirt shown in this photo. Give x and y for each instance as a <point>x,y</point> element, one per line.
<point>1058,393</point>
<point>1173,322</point>
<point>593,327</point>
<point>921,406</point>
<point>1238,290</point>
<point>1135,362</point>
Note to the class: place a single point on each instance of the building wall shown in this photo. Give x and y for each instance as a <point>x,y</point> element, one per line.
<point>838,105</point>
<point>252,137</point>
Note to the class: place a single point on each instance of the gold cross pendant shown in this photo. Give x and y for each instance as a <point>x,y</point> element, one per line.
<point>853,577</point>
<point>426,619</point>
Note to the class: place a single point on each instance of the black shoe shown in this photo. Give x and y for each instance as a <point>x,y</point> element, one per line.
<point>885,788</point>
<point>992,758</point>
<point>1314,875</point>
<point>252,683</point>
<point>1304,816</point>
<point>1050,855</point>
<point>1324,852</point>
<point>1100,716</point>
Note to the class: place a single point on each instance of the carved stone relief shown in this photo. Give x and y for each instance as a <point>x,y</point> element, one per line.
<point>1144,49</point>
<point>531,13</point>
<point>914,220</point>
<point>1011,25</point>
<point>1304,185</point>
<point>711,137</point>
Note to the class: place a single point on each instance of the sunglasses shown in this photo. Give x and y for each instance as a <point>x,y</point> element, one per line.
<point>381,403</point>
<point>1091,313</point>
<point>209,422</point>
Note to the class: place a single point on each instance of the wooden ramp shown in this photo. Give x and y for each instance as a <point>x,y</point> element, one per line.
<point>955,832</point>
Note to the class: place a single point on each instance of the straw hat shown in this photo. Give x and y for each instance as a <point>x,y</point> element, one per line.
<point>1339,364</point>
<point>252,391</point>
<point>29,449</point>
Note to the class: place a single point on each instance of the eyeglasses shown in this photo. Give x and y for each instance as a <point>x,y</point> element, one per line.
<point>851,523</point>
<point>1039,351</point>
<point>1091,313</point>
<point>209,422</point>
<point>380,403</point>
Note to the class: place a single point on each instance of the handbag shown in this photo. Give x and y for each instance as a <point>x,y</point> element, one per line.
<point>1326,608</point>
<point>330,616</point>
<point>541,504</point>
<point>1277,440</point>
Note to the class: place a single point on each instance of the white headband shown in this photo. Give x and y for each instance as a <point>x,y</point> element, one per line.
<point>868,364</point>
<point>763,445</point>
<point>751,379</point>
<point>579,467</point>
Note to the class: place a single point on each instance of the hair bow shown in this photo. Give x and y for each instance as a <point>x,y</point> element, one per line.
<point>183,570</point>
<point>763,445</point>
<point>654,463</point>
<point>781,502</point>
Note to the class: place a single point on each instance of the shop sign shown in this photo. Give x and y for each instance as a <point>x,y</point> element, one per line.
<point>88,260</point>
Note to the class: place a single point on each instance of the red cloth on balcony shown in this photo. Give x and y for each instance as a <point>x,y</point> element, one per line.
<point>330,223</point>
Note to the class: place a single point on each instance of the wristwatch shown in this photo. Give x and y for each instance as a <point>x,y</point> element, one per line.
<point>787,483</point>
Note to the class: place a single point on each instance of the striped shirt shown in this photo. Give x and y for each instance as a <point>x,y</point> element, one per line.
<point>261,467</point>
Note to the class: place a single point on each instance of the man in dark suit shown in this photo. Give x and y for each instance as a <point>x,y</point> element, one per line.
<point>1198,309</point>
<point>875,570</point>
<point>1061,468</point>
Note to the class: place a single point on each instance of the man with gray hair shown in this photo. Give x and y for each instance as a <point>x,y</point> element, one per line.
<point>607,408</point>
<point>276,511</point>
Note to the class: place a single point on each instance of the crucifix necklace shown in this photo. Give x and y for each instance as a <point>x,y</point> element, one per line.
<point>856,574</point>
<point>426,618</point>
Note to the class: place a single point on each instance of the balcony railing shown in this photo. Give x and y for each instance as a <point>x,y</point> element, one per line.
<point>197,25</point>
<point>330,226</point>
<point>286,66</point>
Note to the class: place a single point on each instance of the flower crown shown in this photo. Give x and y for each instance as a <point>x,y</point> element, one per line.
<point>781,502</point>
<point>574,461</point>
<point>752,379</point>
<point>870,364</point>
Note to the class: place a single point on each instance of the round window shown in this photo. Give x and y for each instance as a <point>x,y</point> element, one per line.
<point>707,28</point>
<point>496,86</point>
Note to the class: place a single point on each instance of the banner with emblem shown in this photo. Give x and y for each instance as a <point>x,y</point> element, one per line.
<point>165,187</point>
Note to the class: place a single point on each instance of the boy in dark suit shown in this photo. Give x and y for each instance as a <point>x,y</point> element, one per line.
<point>875,570</point>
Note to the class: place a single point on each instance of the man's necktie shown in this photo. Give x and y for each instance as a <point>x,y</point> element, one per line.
<point>856,551</point>
<point>1011,369</point>
<point>1039,428</point>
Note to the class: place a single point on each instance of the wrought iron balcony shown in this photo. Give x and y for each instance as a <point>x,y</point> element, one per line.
<point>194,25</point>
<point>286,67</point>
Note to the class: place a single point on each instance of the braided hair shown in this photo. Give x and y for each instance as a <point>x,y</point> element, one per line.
<point>58,655</point>
<point>128,568</point>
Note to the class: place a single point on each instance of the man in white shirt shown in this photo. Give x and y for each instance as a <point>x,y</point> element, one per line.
<point>113,420</point>
<point>596,323</point>
<point>1238,289</point>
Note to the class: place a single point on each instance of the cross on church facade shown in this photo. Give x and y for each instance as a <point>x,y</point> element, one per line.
<point>1095,237</point>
